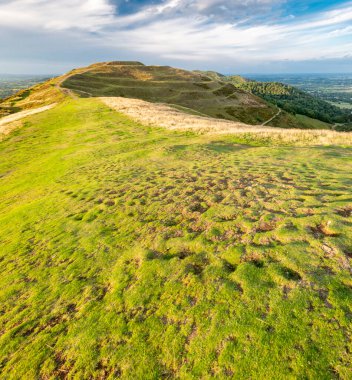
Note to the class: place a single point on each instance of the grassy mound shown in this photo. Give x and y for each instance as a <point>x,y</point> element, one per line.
<point>192,90</point>
<point>139,253</point>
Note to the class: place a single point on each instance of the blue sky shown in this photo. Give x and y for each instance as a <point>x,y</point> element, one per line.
<point>234,36</point>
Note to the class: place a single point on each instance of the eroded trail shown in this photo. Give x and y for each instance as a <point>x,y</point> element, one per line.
<point>272,118</point>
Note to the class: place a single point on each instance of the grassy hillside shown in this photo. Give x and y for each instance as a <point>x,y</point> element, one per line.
<point>293,100</point>
<point>34,97</point>
<point>42,94</point>
<point>139,253</point>
<point>301,108</point>
<point>310,123</point>
<point>197,91</point>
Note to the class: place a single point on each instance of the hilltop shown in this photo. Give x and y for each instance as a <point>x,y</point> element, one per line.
<point>198,92</point>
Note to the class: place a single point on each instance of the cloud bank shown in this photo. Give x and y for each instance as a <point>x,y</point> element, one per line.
<point>240,34</point>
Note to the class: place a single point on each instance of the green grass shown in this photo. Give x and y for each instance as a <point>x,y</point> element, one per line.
<point>141,253</point>
<point>310,123</point>
<point>343,105</point>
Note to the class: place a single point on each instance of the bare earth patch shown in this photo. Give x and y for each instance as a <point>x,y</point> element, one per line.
<point>163,115</point>
<point>8,123</point>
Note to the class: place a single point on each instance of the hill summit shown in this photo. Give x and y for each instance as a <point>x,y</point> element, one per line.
<point>200,92</point>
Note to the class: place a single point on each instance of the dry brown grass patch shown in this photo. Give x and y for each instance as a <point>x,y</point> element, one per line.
<point>163,115</point>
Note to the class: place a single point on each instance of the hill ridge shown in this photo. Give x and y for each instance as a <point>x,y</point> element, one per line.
<point>226,97</point>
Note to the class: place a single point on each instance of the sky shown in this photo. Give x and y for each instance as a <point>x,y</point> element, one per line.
<point>233,36</point>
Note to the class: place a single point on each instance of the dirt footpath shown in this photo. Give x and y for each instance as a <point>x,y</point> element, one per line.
<point>8,123</point>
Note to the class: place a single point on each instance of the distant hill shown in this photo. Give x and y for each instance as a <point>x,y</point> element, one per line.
<point>293,100</point>
<point>207,93</point>
<point>288,98</point>
<point>200,92</point>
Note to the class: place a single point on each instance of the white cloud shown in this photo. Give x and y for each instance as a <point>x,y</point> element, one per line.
<point>183,37</point>
<point>229,10</point>
<point>88,15</point>
<point>184,30</point>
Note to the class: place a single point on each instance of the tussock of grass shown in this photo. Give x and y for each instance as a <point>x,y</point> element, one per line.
<point>141,253</point>
<point>163,115</point>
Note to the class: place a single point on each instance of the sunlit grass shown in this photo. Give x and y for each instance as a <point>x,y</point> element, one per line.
<point>142,253</point>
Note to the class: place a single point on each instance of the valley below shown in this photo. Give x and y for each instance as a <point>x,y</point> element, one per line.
<point>10,84</point>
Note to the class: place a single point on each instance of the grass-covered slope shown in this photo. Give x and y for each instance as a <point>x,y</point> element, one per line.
<point>293,100</point>
<point>42,94</point>
<point>139,253</point>
<point>194,90</point>
<point>34,97</point>
<point>301,109</point>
